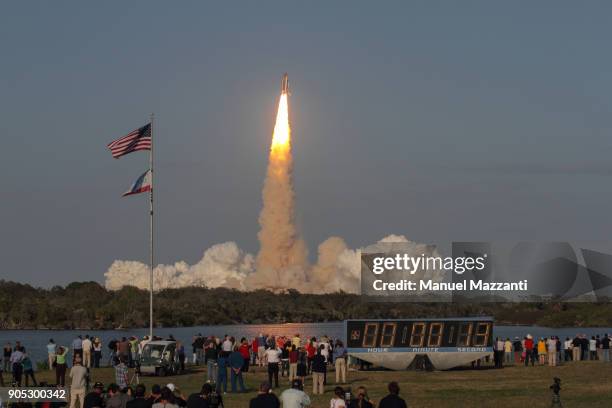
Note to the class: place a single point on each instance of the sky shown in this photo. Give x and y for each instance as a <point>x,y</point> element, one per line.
<point>435,120</point>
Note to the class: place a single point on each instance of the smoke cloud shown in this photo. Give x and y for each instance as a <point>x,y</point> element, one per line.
<point>226,265</point>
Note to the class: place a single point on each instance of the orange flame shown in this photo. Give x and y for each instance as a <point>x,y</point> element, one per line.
<point>281,138</point>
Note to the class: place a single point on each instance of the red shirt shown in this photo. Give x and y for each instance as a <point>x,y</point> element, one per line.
<point>255,345</point>
<point>244,350</point>
<point>528,344</point>
<point>293,356</point>
<point>310,350</point>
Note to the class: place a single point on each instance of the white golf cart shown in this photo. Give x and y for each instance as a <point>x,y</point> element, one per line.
<point>159,358</point>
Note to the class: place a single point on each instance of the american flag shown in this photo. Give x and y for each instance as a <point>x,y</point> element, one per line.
<point>139,139</point>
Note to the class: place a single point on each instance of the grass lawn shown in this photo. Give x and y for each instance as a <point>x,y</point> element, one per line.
<point>584,384</point>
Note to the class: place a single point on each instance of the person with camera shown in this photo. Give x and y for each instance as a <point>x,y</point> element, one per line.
<point>60,366</point>
<point>121,373</point>
<point>362,400</point>
<point>295,397</point>
<point>206,398</point>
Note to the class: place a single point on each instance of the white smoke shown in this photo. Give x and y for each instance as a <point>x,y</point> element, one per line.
<point>222,265</point>
<point>226,265</point>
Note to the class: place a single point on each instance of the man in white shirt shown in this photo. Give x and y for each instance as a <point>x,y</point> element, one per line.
<point>295,397</point>
<point>87,346</point>
<point>273,356</point>
<point>227,345</point>
<point>15,359</point>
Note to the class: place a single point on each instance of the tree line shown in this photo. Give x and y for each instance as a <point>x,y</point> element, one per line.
<point>89,305</point>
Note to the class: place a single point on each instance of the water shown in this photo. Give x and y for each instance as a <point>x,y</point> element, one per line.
<point>35,341</point>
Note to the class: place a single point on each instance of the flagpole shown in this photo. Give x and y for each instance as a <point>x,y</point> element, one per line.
<point>151,248</point>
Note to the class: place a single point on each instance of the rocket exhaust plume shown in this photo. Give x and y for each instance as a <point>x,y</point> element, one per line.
<point>281,247</point>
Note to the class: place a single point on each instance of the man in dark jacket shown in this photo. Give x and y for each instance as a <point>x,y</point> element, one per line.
<point>236,362</point>
<point>319,369</point>
<point>206,398</point>
<point>139,400</point>
<point>265,398</point>
<point>392,400</point>
<point>94,399</point>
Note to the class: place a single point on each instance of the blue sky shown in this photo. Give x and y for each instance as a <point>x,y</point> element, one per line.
<point>436,120</point>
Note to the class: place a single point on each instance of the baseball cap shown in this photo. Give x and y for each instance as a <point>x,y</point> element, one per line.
<point>98,385</point>
<point>171,386</point>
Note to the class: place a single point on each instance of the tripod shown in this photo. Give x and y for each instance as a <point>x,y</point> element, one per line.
<point>136,376</point>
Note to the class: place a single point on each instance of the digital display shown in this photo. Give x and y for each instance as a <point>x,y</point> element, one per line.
<point>418,334</point>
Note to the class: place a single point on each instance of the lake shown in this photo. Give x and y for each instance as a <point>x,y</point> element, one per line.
<point>35,341</point>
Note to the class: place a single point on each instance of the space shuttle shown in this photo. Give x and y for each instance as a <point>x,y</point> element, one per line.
<point>285,84</point>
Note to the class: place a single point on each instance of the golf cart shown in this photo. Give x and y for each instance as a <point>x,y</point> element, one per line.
<point>159,358</point>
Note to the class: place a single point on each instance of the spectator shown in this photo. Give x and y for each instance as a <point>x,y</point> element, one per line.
<point>393,400</point>
<point>6,354</point>
<point>97,352</point>
<point>362,400</point>
<point>295,397</point>
<point>245,352</point>
<point>15,359</point>
<point>180,350</point>
<point>542,351</point>
<point>337,400</point>
<point>94,398</point>
<point>340,362</point>
<point>177,396</point>
<point>518,350</point>
<point>261,349</point>
<point>311,351</point>
<point>206,398</point>
<point>166,399</point>
<point>121,374</point>
<point>265,398</point>
<point>155,394</point>
<point>87,345</point>
<point>222,364</point>
<point>593,348</point>
<point>60,366</point>
<point>294,356</point>
<point>78,386</point>
<point>302,368</point>
<point>319,368</point>
<point>605,348</point>
<point>273,356</point>
<point>551,346</point>
<point>77,347</point>
<point>236,362</point>
<point>576,348</point>
<point>508,351</point>
<point>567,348</point>
<point>139,400</point>
<point>211,355</point>
<point>28,370</point>
<point>51,350</point>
